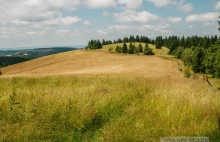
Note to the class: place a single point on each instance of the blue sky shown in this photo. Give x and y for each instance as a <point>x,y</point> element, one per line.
<point>26,23</point>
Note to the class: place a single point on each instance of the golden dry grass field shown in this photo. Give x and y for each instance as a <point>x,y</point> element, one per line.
<point>98,62</point>
<point>100,96</point>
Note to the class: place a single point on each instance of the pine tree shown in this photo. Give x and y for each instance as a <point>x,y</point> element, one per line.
<point>131,49</point>
<point>140,48</point>
<point>147,50</point>
<point>103,42</point>
<point>124,48</point>
<point>99,45</point>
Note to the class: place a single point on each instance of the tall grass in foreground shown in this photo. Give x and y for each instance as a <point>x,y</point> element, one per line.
<point>104,108</point>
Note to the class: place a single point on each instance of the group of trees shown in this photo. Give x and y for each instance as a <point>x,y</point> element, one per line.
<point>132,49</point>
<point>143,39</point>
<point>202,54</point>
<point>94,44</point>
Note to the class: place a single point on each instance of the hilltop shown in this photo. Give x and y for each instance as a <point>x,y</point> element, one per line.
<point>97,62</point>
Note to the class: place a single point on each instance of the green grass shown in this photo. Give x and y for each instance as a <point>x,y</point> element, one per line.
<point>106,108</point>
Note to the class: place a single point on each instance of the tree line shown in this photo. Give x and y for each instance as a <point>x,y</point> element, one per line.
<point>202,54</point>
<point>132,49</point>
<point>96,44</point>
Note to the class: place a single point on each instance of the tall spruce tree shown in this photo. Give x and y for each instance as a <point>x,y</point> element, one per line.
<point>140,48</point>
<point>148,50</point>
<point>124,48</point>
<point>131,49</point>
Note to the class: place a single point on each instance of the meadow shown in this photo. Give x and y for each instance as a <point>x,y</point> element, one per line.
<point>145,102</point>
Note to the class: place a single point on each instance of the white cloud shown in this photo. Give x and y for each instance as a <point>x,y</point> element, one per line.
<point>217,6</point>
<point>22,23</point>
<point>133,16</point>
<point>63,21</point>
<point>174,19</point>
<point>191,26</point>
<point>186,7</point>
<point>87,23</point>
<point>37,13</point>
<point>96,4</point>
<point>62,32</point>
<point>4,37</point>
<point>36,33</point>
<point>211,16</point>
<point>105,14</point>
<point>130,4</point>
<point>161,3</point>
<point>179,4</point>
<point>162,28</point>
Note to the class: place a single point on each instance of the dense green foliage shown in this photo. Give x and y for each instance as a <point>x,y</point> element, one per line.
<point>159,42</point>
<point>148,50</point>
<point>94,44</point>
<point>200,53</point>
<point>6,61</point>
<point>124,48</point>
<point>132,49</point>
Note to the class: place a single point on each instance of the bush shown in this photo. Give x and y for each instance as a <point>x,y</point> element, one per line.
<point>0,72</point>
<point>148,50</point>
<point>187,73</point>
<point>110,50</point>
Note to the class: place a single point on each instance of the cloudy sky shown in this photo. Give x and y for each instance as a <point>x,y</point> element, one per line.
<point>27,23</point>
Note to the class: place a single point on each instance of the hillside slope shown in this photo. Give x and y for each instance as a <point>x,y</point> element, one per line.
<point>96,62</point>
<point>146,98</point>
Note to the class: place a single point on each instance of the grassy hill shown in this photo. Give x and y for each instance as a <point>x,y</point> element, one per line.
<point>100,96</point>
<point>97,62</point>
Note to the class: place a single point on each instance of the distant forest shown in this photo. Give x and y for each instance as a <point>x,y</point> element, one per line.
<point>202,54</point>
<point>10,57</point>
<point>5,61</point>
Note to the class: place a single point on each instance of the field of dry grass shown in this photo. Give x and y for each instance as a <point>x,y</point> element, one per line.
<point>101,96</point>
<point>97,62</point>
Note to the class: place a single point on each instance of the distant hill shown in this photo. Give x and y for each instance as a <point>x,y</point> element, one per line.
<point>98,62</point>
<point>10,57</point>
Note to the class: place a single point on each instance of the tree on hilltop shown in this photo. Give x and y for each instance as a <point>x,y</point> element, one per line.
<point>148,50</point>
<point>140,48</point>
<point>124,48</point>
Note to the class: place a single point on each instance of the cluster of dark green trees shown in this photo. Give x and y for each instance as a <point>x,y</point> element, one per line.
<point>200,53</point>
<point>132,49</point>
<point>94,44</point>
<point>143,39</point>
<point>6,61</point>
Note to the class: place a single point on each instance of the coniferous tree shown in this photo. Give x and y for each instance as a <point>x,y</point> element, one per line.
<point>131,49</point>
<point>137,39</point>
<point>103,42</point>
<point>124,48</point>
<point>140,48</point>
<point>99,45</point>
<point>197,60</point>
<point>148,50</point>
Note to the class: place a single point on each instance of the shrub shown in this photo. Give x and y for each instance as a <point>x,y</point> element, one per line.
<point>148,50</point>
<point>0,72</point>
<point>110,50</point>
<point>187,73</point>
